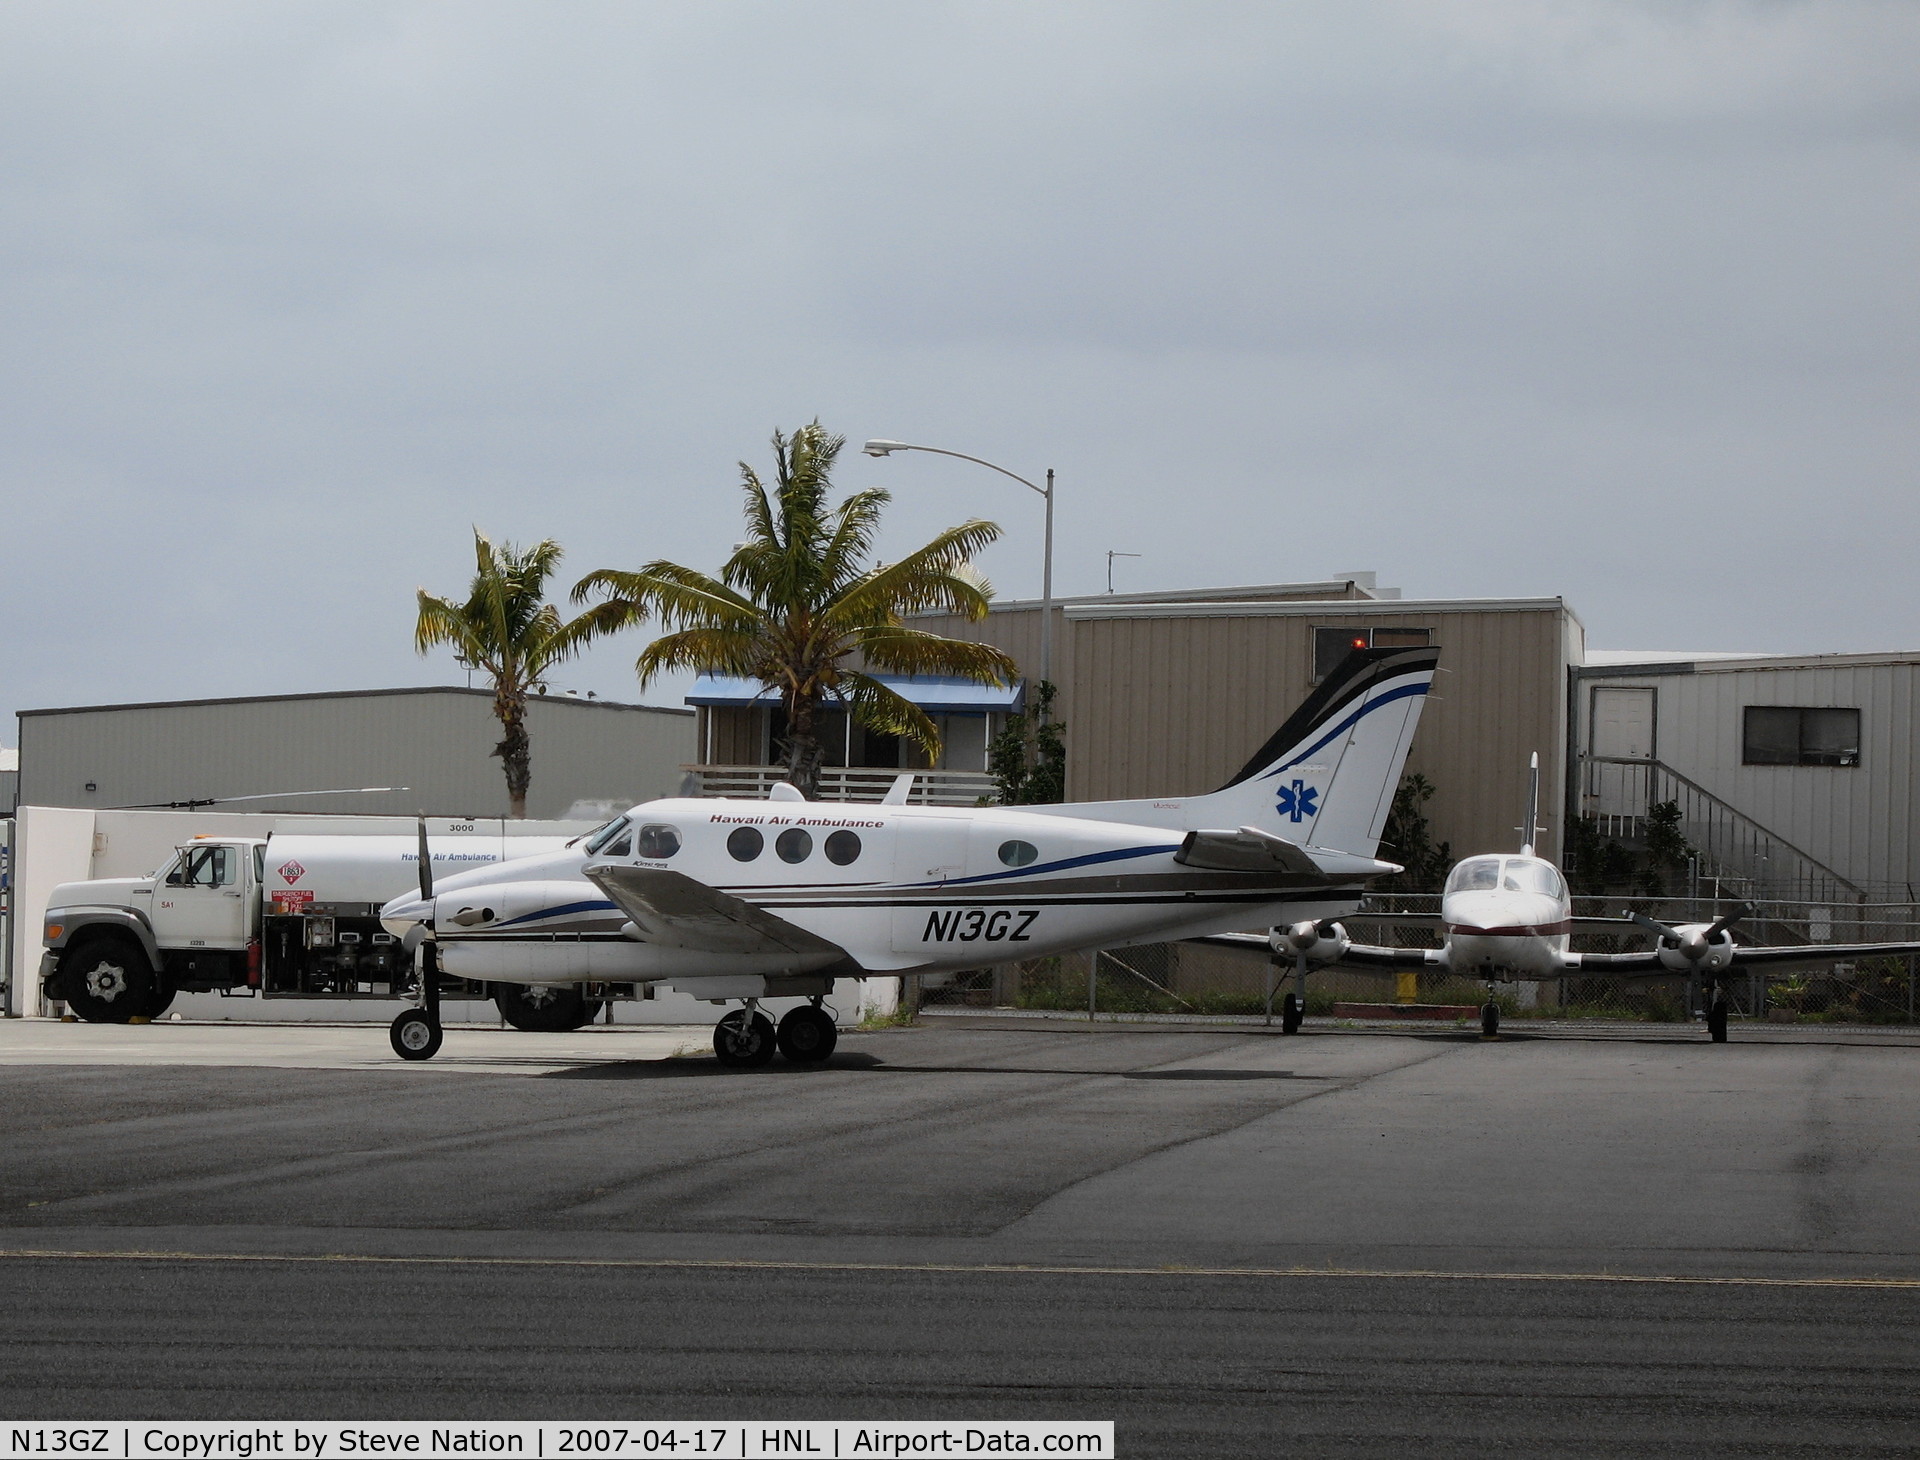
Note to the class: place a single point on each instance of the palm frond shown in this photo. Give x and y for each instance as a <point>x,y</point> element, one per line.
<point>895,650</point>
<point>877,707</point>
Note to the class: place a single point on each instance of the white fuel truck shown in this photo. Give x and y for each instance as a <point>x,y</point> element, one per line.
<point>288,917</point>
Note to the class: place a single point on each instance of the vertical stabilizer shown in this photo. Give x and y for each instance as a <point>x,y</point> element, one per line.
<point>1327,776</point>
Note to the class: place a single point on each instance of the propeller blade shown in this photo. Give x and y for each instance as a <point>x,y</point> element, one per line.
<point>1727,920</point>
<point>426,865</point>
<point>1668,934</point>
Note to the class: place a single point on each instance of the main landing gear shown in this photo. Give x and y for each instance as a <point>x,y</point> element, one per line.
<point>1717,1014</point>
<point>746,1038</point>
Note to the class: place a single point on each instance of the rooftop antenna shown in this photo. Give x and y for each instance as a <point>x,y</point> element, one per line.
<point>1111,555</point>
<point>1533,806</point>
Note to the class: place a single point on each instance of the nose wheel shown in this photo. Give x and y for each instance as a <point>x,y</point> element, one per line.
<point>1489,1020</point>
<point>1717,1017</point>
<point>415,1036</point>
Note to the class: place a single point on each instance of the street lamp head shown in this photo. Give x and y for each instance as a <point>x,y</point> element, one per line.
<point>885,448</point>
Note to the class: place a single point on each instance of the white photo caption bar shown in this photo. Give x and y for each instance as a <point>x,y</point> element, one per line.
<point>553,1440</point>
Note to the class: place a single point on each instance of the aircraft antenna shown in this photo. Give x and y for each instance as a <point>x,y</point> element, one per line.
<point>1533,806</point>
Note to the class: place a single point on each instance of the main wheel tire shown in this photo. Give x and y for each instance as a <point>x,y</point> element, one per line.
<point>1489,1019</point>
<point>807,1035</point>
<point>414,1036</point>
<point>108,980</point>
<point>744,1039</point>
<point>1717,1021</point>
<point>544,1009</point>
<point>1292,1014</point>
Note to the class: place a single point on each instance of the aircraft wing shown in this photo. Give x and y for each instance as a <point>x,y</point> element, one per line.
<point>1794,955</point>
<point>678,911</point>
<point>1358,955</point>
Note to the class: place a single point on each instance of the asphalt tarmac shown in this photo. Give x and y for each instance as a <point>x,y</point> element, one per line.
<point>1229,1242</point>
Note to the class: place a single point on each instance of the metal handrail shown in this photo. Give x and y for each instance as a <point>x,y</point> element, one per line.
<point>851,783</point>
<point>1740,822</point>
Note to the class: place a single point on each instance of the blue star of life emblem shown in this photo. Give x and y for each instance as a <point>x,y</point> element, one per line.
<point>1298,801</point>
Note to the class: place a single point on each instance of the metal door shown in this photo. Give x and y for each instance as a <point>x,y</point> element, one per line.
<point>202,901</point>
<point>928,849</point>
<point>1621,728</point>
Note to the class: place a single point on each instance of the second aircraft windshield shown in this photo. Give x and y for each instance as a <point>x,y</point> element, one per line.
<point>1508,874</point>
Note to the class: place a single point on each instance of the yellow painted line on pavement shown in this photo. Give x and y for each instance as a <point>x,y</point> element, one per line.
<point>1013,1268</point>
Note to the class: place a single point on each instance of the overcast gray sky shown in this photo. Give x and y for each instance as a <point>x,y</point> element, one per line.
<point>1614,301</point>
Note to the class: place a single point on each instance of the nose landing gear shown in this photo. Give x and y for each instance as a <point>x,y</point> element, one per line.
<point>416,1034</point>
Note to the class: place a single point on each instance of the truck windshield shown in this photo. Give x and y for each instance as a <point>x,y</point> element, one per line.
<point>204,867</point>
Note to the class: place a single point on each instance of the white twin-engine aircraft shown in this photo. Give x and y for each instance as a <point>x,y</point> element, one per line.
<point>1506,916</point>
<point>745,900</point>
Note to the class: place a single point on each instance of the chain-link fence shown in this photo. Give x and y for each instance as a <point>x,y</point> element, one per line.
<point>1189,978</point>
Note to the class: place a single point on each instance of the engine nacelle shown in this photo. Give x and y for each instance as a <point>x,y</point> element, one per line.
<point>1696,951</point>
<point>1316,942</point>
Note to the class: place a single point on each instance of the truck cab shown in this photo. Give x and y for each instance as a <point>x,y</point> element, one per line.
<point>119,948</point>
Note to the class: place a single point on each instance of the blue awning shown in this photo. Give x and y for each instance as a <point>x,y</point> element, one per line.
<point>935,694</point>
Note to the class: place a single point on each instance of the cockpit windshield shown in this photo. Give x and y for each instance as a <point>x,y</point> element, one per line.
<point>1509,874</point>
<point>1475,874</point>
<point>1524,874</point>
<point>603,839</point>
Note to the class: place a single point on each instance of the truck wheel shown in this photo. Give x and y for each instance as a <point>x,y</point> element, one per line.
<point>545,1009</point>
<point>108,980</point>
<point>163,996</point>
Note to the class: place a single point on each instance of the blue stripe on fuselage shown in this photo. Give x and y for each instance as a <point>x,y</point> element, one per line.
<point>1088,860</point>
<point>602,905</point>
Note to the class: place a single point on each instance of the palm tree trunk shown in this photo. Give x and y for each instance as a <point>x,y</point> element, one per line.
<point>803,746</point>
<point>514,750</point>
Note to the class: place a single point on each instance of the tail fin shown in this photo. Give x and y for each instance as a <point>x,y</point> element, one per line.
<point>1327,776</point>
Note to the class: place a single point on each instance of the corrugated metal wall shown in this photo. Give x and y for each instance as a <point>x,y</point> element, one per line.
<point>1858,820</point>
<point>1174,705</point>
<point>436,742</point>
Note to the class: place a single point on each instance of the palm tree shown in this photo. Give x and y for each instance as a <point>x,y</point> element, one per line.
<point>800,607</point>
<point>506,630</point>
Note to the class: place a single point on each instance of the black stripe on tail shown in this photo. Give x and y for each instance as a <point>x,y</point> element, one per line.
<point>1350,680</point>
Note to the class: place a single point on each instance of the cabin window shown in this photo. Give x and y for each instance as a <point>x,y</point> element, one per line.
<point>657,842</point>
<point>794,845</point>
<point>1331,645</point>
<point>204,867</point>
<point>745,843</point>
<point>1800,735</point>
<point>1018,854</point>
<point>843,848</point>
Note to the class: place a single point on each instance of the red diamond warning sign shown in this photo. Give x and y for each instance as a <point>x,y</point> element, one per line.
<point>292,871</point>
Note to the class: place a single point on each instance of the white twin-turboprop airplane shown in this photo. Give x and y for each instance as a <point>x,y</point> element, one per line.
<point>744,900</point>
<point>1506,916</point>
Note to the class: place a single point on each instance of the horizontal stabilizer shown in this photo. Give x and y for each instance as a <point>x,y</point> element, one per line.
<point>1247,850</point>
<point>677,911</point>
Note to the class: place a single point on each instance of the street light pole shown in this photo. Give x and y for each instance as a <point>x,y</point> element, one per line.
<point>887,448</point>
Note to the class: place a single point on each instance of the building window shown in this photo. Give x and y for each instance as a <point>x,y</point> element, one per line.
<point>1800,735</point>
<point>1331,645</point>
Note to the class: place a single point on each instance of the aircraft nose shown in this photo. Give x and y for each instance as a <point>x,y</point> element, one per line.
<point>405,913</point>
